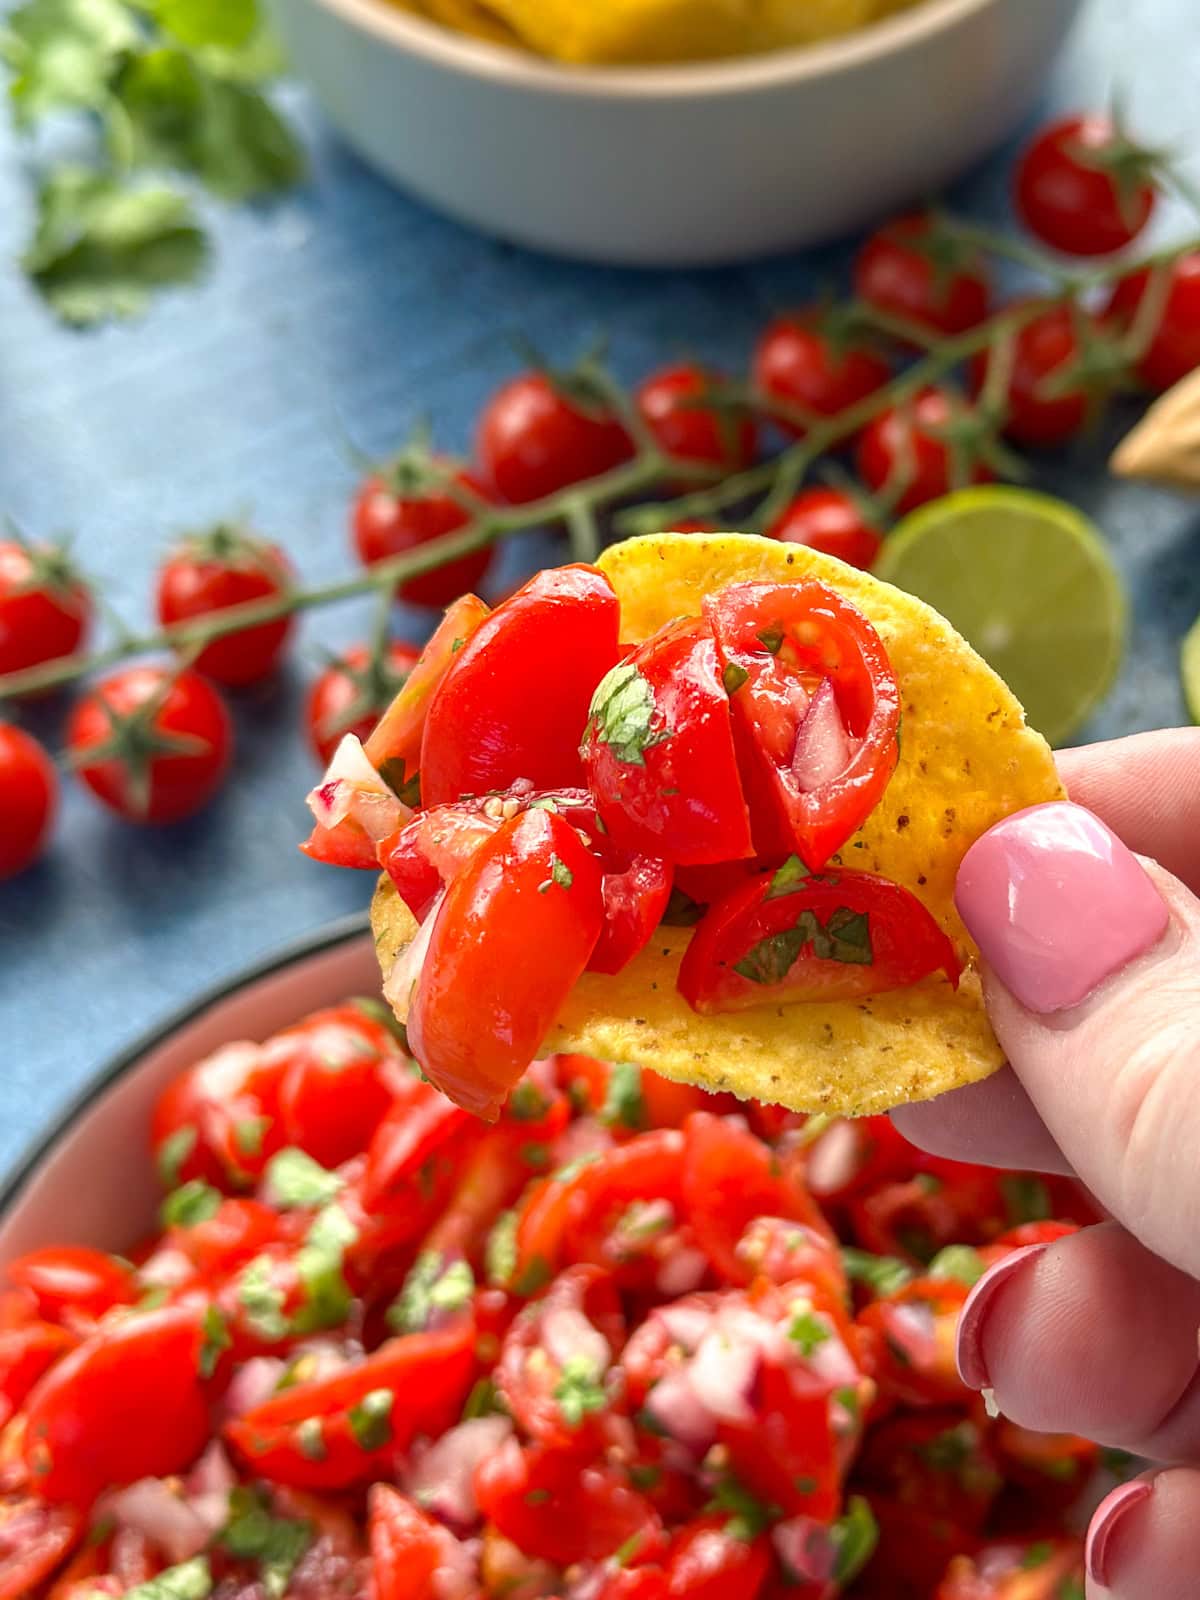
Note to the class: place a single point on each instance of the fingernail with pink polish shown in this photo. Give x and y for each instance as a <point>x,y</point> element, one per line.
<point>1110,1519</point>
<point>972,1365</point>
<point>1057,904</point>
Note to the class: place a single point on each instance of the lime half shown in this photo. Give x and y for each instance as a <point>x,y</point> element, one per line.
<point>1027,580</point>
<point>1189,670</point>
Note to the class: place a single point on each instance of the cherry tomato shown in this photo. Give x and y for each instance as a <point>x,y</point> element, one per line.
<point>556,1369</point>
<point>353,693</point>
<point>410,1552</point>
<point>514,701</point>
<point>28,799</point>
<point>536,437</point>
<point>945,1202</point>
<point>710,1562</point>
<point>556,1508</point>
<point>816,708</point>
<point>68,1281</point>
<point>1174,347</point>
<point>397,512</point>
<point>481,1006</point>
<point>45,609</point>
<point>420,1123</point>
<point>1043,405</point>
<point>831,521</point>
<point>223,568</point>
<point>1042,1569</point>
<point>798,363</point>
<point>236,1232</point>
<point>337,1074</point>
<point>659,755</point>
<point>153,745</point>
<point>911,1334</point>
<point>219,1120</point>
<point>915,270</point>
<point>1084,188</point>
<point>25,1354</point>
<point>907,449</point>
<point>689,431</point>
<point>127,1403</point>
<point>422,1379</point>
<point>34,1539</point>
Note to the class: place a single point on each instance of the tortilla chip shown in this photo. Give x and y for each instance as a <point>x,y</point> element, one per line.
<point>967,760</point>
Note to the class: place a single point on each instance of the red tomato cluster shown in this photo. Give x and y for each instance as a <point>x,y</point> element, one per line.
<point>633,1342</point>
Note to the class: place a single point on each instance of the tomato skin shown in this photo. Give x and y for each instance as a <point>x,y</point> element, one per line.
<point>911,1334</point>
<point>406,1547</point>
<point>830,521</point>
<point>796,363</point>
<point>420,1123</point>
<point>556,1508</point>
<point>34,1539</point>
<point>515,699</point>
<point>1044,351</point>
<point>893,272</point>
<point>25,1354</point>
<point>1067,198</point>
<point>216,1101</point>
<point>128,1403</point>
<point>912,434</point>
<point>820,636</point>
<point>708,1563</point>
<point>469,1027</point>
<point>335,694</point>
<point>180,783</point>
<point>336,1081</point>
<point>385,523</point>
<point>1174,348</point>
<point>202,577</point>
<point>238,1231</point>
<point>39,621</point>
<point>28,800</point>
<point>533,440</point>
<point>689,431</point>
<point>682,799</point>
<point>67,1280</point>
<point>528,1373</point>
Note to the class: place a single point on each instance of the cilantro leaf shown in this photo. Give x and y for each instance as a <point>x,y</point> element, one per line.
<point>624,1104</point>
<point>579,1390</point>
<point>310,1439</point>
<point>807,1332</point>
<point>958,1262</point>
<point>561,873</point>
<point>216,1339</point>
<point>263,1299</point>
<point>101,247</point>
<point>527,1103</point>
<point>63,52</point>
<point>275,1543</point>
<point>189,1204</point>
<point>226,24</point>
<point>854,1537</point>
<point>749,1517</point>
<point>500,1251</point>
<point>1037,1555</point>
<point>621,712</point>
<point>1026,1198</point>
<point>792,875</point>
<point>845,937</point>
<point>190,1580</point>
<point>172,1153</point>
<point>432,1285</point>
<point>371,1419</point>
<point>327,1297</point>
<point>883,1274</point>
<point>296,1180</point>
<point>733,677</point>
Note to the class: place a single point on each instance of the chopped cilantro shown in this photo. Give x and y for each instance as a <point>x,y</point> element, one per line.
<point>190,1580</point>
<point>527,1103</point>
<point>371,1419</point>
<point>624,1104</point>
<point>248,1135</point>
<point>263,1299</point>
<point>569,1172</point>
<point>533,1278</point>
<point>296,1180</point>
<point>958,1262</point>
<point>790,877</point>
<point>1118,1462</point>
<point>682,911</point>
<point>189,1204</point>
<point>1070,1589</point>
<point>950,1450</point>
<point>579,1391</point>
<point>808,1333</point>
<point>1027,1199</point>
<point>535,1155</point>
<point>733,677</point>
<point>560,874</point>
<point>644,1476</point>
<point>275,1543</point>
<point>172,1153</point>
<point>432,1285</point>
<point>624,1553</point>
<point>216,1339</point>
<point>310,1439</point>
<point>771,639</point>
<point>847,1398</point>
<point>804,1485</point>
<point>748,1516</point>
<point>845,937</point>
<point>854,1538</point>
<point>483,1401</point>
<point>500,1251</point>
<point>621,712</point>
<point>327,1296</point>
<point>1037,1555</point>
<point>537,1497</point>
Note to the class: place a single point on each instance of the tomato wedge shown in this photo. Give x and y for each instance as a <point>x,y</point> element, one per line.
<point>817,709</point>
<point>411,1553</point>
<point>508,944</point>
<point>793,936</point>
<point>659,752</point>
<point>515,699</point>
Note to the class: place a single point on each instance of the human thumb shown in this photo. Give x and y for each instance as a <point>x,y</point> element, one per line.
<point>1092,979</point>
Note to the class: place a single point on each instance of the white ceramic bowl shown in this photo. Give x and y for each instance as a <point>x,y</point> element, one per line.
<point>687,165</point>
<point>91,1180</point>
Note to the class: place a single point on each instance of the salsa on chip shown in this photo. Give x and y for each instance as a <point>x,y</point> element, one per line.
<point>699,806</point>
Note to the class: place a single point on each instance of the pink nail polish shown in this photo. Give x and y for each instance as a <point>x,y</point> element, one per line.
<point>972,1367</point>
<point>1109,1518</point>
<point>1057,904</point>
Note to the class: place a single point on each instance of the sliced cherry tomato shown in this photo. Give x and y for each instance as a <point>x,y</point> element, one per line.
<point>914,269</point>
<point>400,509</point>
<point>420,1123</point>
<point>409,1550</point>
<point>73,1279</point>
<point>344,846</point>
<point>709,1561</point>
<point>1174,344</point>
<point>939,1462</point>
<point>515,700</point>
<point>671,403</point>
<point>817,707</point>
<point>911,1335</point>
<point>536,437</point>
<point>341,1430</point>
<point>128,1403</point>
<point>906,450</point>
<point>556,1508</point>
<point>482,1007</point>
<point>337,1077</point>
<point>25,1354</point>
<point>236,1232</point>
<point>942,1203</point>
<point>353,693</point>
<point>487,1183</point>
<point>659,754</point>
<point>1084,187</point>
<point>35,1539</point>
<point>556,1370</point>
<point>1045,402</point>
<point>831,521</point>
<point>152,744</point>
<point>213,571</point>
<point>636,1583</point>
<point>1041,1569</point>
<point>45,608</point>
<point>28,799</point>
<point>218,1121</point>
<point>800,364</point>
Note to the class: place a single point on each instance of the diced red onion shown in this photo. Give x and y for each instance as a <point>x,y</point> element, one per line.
<point>681,1272</point>
<point>213,1474</point>
<point>457,1575</point>
<point>222,1074</point>
<point>401,981</point>
<point>169,1522</point>
<point>722,1375</point>
<point>675,1406</point>
<point>834,1159</point>
<point>352,788</point>
<point>567,1335</point>
<point>254,1382</point>
<point>583,1137</point>
<point>167,1269</point>
<point>441,1477</point>
<point>833,1362</point>
<point>823,749</point>
<point>686,1322</point>
<point>912,1328</point>
<point>804,1546</point>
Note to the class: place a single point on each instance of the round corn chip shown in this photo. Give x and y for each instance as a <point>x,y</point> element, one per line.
<point>967,759</point>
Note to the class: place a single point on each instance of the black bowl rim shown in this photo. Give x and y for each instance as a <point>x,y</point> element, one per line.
<point>42,1145</point>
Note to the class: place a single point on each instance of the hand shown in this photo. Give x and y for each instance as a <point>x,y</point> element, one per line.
<point>1092,958</point>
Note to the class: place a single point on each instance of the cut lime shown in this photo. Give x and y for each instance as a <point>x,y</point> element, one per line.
<point>1027,580</point>
<point>1189,670</point>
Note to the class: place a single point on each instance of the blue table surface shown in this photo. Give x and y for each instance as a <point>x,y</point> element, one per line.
<point>346,312</point>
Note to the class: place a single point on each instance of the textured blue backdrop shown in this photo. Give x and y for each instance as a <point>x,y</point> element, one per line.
<point>350,310</point>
